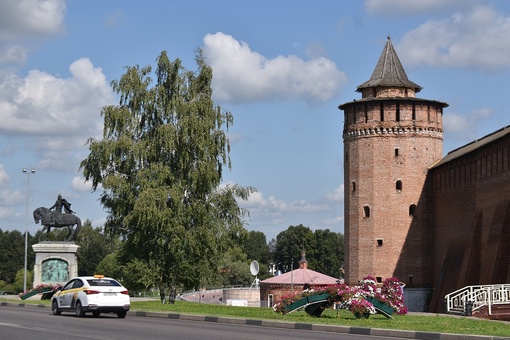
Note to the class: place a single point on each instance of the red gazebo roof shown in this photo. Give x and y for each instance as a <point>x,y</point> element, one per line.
<point>300,277</point>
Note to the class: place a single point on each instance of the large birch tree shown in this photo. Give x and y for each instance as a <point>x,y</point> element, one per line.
<point>159,165</point>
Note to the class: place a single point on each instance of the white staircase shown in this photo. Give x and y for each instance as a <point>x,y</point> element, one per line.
<point>471,298</point>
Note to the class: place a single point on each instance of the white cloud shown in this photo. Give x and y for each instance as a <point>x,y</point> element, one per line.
<point>6,212</point>
<point>43,104</point>
<point>20,19</point>
<point>59,113</point>
<point>243,75</point>
<point>463,127</point>
<point>4,176</point>
<point>399,7</point>
<point>13,54</point>
<point>78,183</point>
<point>11,197</point>
<point>257,202</point>
<point>114,18</point>
<point>475,39</point>
<point>337,195</point>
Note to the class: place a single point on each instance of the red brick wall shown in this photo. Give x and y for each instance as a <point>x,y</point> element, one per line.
<point>390,242</point>
<point>471,202</point>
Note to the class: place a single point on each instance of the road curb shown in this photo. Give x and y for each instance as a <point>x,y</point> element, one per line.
<point>390,333</point>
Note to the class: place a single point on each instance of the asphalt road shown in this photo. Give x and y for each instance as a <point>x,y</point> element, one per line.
<point>38,323</point>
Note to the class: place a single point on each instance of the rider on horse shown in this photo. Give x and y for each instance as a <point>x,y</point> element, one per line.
<point>61,202</point>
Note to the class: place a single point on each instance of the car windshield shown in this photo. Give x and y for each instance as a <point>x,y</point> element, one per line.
<point>102,282</point>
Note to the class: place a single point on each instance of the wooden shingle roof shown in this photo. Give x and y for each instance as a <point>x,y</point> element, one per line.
<point>389,72</point>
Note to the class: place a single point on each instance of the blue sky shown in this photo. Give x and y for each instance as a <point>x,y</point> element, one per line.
<point>281,67</point>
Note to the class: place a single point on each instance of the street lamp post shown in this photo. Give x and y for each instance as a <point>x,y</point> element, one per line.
<point>28,173</point>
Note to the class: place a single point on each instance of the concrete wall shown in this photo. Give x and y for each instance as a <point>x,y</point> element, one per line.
<point>241,297</point>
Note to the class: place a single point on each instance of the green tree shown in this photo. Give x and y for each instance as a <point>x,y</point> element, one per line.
<point>329,252</point>
<point>111,267</point>
<point>160,165</point>
<point>291,243</point>
<point>255,247</point>
<point>93,248</point>
<point>12,254</point>
<point>17,286</point>
<point>235,268</point>
<point>139,275</point>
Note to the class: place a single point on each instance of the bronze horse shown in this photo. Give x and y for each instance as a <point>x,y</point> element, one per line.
<point>62,221</point>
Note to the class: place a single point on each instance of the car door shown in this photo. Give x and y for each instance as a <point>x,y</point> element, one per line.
<point>73,295</point>
<point>65,296</point>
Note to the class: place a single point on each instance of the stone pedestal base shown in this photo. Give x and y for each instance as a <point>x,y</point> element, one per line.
<point>55,262</point>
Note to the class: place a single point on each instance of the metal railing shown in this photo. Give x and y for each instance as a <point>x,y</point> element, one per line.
<point>475,297</point>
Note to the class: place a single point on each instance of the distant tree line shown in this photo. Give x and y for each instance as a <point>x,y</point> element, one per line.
<point>100,254</point>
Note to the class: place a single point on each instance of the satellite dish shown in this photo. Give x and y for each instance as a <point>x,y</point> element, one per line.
<point>254,267</point>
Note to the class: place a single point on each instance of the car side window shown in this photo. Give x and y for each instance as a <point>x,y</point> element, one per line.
<point>69,285</point>
<point>78,284</point>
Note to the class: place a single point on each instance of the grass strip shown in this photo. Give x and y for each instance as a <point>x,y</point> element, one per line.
<point>437,323</point>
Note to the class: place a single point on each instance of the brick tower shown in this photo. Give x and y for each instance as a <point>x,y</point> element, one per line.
<point>391,138</point>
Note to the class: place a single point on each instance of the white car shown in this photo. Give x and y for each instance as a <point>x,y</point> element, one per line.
<point>96,294</point>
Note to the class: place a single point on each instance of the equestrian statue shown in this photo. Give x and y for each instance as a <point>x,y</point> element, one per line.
<point>56,219</point>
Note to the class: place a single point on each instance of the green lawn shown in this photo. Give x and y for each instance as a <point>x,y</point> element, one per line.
<point>432,323</point>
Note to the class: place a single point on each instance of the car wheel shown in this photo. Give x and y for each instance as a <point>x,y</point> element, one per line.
<point>121,315</point>
<point>79,310</point>
<point>95,314</point>
<point>54,308</point>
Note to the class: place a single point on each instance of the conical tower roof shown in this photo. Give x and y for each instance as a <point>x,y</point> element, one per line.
<point>389,72</point>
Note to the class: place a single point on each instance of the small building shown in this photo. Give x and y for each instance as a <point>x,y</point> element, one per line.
<point>293,282</point>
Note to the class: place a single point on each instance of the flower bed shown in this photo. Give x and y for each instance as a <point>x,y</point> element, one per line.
<point>362,300</point>
<point>44,289</point>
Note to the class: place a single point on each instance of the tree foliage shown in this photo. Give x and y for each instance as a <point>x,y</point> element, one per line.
<point>324,249</point>
<point>235,268</point>
<point>12,254</point>
<point>329,252</point>
<point>291,243</point>
<point>255,247</point>
<point>160,165</point>
<point>111,267</point>
<point>94,247</point>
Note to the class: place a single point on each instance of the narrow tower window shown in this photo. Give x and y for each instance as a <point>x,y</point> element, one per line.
<point>397,113</point>
<point>366,211</point>
<point>397,152</point>
<point>414,112</point>
<point>366,113</point>
<point>381,109</point>
<point>412,210</point>
<point>398,185</point>
<point>353,186</point>
<point>379,242</point>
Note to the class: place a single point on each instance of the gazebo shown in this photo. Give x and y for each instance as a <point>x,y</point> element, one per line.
<point>295,281</point>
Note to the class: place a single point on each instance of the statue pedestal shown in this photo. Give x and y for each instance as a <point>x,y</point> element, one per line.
<point>55,262</point>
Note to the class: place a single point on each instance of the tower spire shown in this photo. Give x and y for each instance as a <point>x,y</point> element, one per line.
<point>389,72</point>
